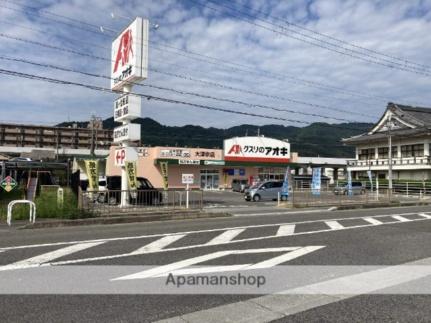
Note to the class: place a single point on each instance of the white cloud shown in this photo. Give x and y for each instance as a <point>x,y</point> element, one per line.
<point>398,28</point>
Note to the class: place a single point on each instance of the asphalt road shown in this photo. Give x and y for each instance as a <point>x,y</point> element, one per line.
<point>103,273</point>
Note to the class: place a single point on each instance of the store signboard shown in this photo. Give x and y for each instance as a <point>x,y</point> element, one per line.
<point>174,153</point>
<point>129,55</point>
<point>256,149</point>
<point>187,178</point>
<point>125,154</point>
<point>127,107</point>
<point>127,132</point>
<point>189,162</point>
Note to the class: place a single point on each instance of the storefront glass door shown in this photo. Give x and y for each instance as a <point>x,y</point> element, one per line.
<point>210,179</point>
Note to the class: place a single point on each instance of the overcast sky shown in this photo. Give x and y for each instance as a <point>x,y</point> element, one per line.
<point>284,68</point>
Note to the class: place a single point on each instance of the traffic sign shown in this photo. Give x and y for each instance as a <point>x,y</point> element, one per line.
<point>188,178</point>
<point>8,184</point>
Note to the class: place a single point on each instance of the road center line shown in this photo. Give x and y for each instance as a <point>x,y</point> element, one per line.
<point>201,231</point>
<point>49,256</point>
<point>285,230</point>
<point>373,221</point>
<point>225,236</point>
<point>334,225</point>
<point>400,218</point>
<point>158,244</point>
<point>67,262</point>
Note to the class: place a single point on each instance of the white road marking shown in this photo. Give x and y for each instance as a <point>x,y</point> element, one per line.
<point>427,216</point>
<point>225,236</point>
<point>158,244</point>
<point>198,231</point>
<point>334,225</point>
<point>400,218</point>
<point>292,253</point>
<point>277,213</point>
<point>285,257</point>
<point>116,256</point>
<point>372,221</point>
<point>49,256</point>
<point>285,230</point>
<point>293,301</point>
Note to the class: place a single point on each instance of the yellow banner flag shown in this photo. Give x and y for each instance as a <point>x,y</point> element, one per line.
<point>131,175</point>
<point>164,170</point>
<point>92,168</point>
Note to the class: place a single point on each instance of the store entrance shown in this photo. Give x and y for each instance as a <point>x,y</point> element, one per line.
<point>210,179</point>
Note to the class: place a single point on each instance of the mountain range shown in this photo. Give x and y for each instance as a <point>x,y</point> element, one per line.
<point>316,139</point>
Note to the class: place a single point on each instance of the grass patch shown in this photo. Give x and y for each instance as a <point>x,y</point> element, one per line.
<point>46,206</point>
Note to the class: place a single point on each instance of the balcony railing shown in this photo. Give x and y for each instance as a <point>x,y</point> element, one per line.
<point>426,160</point>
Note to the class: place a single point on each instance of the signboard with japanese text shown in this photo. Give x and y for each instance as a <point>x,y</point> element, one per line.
<point>173,153</point>
<point>131,175</point>
<point>189,162</point>
<point>187,178</point>
<point>124,154</point>
<point>127,107</point>
<point>129,54</point>
<point>285,187</point>
<point>204,154</point>
<point>316,181</point>
<point>164,171</point>
<point>256,149</point>
<point>127,132</point>
<point>92,169</point>
<point>8,183</point>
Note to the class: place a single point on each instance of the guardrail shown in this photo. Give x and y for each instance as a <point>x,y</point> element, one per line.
<point>109,201</point>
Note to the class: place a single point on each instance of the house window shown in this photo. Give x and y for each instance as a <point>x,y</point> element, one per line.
<point>366,154</point>
<point>384,152</point>
<point>412,150</point>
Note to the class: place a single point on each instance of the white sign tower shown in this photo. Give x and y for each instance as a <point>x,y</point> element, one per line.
<point>129,57</point>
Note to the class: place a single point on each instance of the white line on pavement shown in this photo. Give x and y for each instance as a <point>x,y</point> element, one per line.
<point>373,221</point>
<point>285,230</point>
<point>158,244</point>
<point>400,218</point>
<point>334,225</point>
<point>182,264</point>
<point>225,236</point>
<point>84,260</point>
<point>207,230</point>
<point>272,307</point>
<point>49,256</point>
<point>427,216</point>
<point>285,257</point>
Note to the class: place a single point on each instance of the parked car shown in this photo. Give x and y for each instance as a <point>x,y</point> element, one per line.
<point>267,190</point>
<point>20,159</point>
<point>146,194</point>
<point>240,185</point>
<point>357,188</point>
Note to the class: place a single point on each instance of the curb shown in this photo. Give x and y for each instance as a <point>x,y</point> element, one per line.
<point>161,216</point>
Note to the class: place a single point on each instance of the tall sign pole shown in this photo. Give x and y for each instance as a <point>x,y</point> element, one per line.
<point>129,57</point>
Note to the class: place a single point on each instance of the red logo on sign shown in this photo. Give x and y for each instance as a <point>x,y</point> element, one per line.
<point>121,154</point>
<point>124,49</point>
<point>236,149</point>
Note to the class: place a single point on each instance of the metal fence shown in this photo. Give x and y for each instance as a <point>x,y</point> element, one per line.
<point>327,197</point>
<point>109,201</point>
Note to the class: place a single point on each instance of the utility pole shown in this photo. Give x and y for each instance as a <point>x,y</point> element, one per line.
<point>389,126</point>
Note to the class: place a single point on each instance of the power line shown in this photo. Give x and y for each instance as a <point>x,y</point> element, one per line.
<point>172,90</point>
<point>289,23</point>
<point>156,98</point>
<point>261,73</point>
<point>72,51</point>
<point>324,45</point>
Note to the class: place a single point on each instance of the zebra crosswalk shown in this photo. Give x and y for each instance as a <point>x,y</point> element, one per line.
<point>167,242</point>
